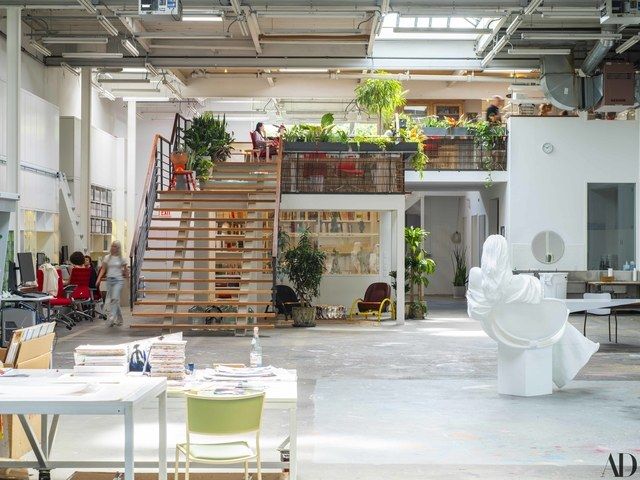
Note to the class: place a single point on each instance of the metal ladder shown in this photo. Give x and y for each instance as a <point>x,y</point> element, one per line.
<point>74,217</point>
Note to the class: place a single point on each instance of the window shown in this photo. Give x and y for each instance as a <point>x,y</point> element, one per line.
<point>444,27</point>
<point>611,225</point>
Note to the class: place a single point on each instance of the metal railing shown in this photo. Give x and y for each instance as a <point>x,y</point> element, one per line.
<point>343,172</point>
<point>180,126</point>
<point>465,153</point>
<point>158,178</point>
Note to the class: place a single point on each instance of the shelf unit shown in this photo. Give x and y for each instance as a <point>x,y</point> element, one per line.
<point>40,233</point>
<point>350,239</point>
<point>101,218</point>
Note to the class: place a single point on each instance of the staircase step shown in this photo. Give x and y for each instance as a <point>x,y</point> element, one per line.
<point>204,314</point>
<point>247,177</point>
<point>212,249</point>
<point>226,191</point>
<point>187,326</point>
<point>220,238</point>
<point>214,209</point>
<point>213,219</point>
<point>225,292</point>
<point>198,269</point>
<point>216,259</point>
<point>221,167</point>
<point>183,303</point>
<point>222,281</point>
<point>212,229</point>
<point>242,201</point>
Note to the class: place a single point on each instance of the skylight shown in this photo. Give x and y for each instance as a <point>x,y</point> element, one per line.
<point>395,26</point>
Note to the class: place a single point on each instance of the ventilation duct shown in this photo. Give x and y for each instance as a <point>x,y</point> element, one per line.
<point>596,56</point>
<point>566,90</point>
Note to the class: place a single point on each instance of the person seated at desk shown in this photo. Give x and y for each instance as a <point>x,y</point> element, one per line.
<point>76,260</point>
<point>262,142</point>
<point>94,275</point>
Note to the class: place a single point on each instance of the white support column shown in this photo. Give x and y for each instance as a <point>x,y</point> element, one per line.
<point>130,187</point>
<point>14,43</point>
<point>83,203</point>
<point>398,229</point>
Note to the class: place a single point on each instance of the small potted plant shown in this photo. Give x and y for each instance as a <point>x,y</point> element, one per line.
<point>304,265</point>
<point>435,127</point>
<point>460,277</point>
<point>459,128</point>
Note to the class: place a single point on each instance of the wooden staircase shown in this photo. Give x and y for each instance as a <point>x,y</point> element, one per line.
<point>209,255</point>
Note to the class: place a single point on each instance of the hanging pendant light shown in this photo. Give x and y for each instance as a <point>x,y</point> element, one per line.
<point>456,237</point>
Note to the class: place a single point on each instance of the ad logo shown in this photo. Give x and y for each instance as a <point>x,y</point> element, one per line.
<point>624,465</point>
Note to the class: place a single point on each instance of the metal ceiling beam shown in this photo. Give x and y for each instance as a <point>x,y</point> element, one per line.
<point>254,28</point>
<point>237,9</point>
<point>376,25</point>
<point>135,28</point>
<point>483,43</point>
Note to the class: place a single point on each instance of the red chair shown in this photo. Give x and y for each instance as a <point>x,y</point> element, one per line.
<point>349,170</point>
<point>81,294</point>
<point>61,305</point>
<point>376,300</point>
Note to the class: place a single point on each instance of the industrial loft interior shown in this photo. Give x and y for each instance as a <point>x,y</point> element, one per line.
<point>319,239</point>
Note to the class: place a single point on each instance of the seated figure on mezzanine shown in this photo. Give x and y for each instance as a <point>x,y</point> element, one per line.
<point>537,346</point>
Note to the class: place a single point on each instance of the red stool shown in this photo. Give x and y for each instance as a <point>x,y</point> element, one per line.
<point>188,178</point>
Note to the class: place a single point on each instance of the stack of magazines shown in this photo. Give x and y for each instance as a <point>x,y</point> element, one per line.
<point>91,359</point>
<point>167,358</point>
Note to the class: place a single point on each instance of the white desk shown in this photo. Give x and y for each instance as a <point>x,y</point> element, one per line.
<point>107,396</point>
<point>582,305</point>
<point>279,395</point>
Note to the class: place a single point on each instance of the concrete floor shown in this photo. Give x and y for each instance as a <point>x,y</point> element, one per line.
<point>410,402</point>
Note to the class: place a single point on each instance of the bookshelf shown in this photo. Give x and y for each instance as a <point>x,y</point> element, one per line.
<point>351,239</point>
<point>101,219</point>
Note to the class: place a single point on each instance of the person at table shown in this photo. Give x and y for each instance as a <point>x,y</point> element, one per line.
<point>88,262</point>
<point>262,142</point>
<point>493,110</point>
<point>115,269</point>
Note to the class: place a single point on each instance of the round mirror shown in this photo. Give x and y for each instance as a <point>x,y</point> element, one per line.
<point>547,247</point>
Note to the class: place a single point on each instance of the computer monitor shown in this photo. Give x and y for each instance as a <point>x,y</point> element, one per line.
<point>27,270</point>
<point>12,281</point>
<point>41,259</point>
<point>64,254</point>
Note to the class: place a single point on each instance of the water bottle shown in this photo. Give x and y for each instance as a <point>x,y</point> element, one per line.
<point>255,357</point>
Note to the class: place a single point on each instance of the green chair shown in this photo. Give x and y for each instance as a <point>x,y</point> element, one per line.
<point>222,415</point>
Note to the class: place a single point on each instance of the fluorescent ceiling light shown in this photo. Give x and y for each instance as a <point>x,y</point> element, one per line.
<point>75,40</point>
<point>201,18</point>
<point>539,51</point>
<point>70,69</point>
<point>40,48</point>
<point>569,36</point>
<point>532,7</point>
<point>88,6</point>
<point>303,70</point>
<point>628,44</point>
<point>514,25</point>
<point>145,99</point>
<point>125,80</point>
<point>91,55</point>
<point>509,70</point>
<point>134,70</point>
<point>131,48</point>
<point>108,26</point>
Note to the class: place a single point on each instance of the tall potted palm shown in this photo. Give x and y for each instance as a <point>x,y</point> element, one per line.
<point>304,265</point>
<point>380,97</point>
<point>460,277</point>
<point>418,266</point>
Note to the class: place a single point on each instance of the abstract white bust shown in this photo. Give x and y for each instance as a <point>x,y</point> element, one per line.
<point>544,339</point>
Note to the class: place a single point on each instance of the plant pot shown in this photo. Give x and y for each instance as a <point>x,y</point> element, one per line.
<point>403,147</point>
<point>315,147</point>
<point>459,291</point>
<point>435,131</point>
<point>460,131</point>
<point>415,311</point>
<point>367,147</point>
<point>303,316</point>
<point>179,160</point>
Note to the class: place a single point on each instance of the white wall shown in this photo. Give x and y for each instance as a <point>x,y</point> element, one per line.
<point>549,192</point>
<point>441,219</point>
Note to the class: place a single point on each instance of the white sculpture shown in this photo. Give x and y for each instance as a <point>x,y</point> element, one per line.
<point>355,257</point>
<point>373,259</point>
<point>536,343</point>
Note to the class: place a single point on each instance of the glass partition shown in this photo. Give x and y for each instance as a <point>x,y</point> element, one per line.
<point>611,225</point>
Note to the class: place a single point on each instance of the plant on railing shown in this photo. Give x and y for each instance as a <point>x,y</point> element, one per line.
<point>414,133</point>
<point>380,97</point>
<point>488,136</point>
<point>381,142</point>
<point>208,141</point>
<point>432,121</point>
<point>418,266</point>
<point>327,131</point>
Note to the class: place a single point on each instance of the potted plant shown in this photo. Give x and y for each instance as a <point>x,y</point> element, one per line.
<point>488,137</point>
<point>304,265</point>
<point>413,135</point>
<point>325,137</point>
<point>208,141</point>
<point>460,276</point>
<point>380,97</point>
<point>418,266</point>
<point>435,127</point>
<point>179,159</point>
<point>459,128</point>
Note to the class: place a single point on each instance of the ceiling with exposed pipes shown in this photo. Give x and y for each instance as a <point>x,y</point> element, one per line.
<point>211,47</point>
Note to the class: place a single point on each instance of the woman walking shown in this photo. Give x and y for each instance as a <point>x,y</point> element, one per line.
<point>114,267</point>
